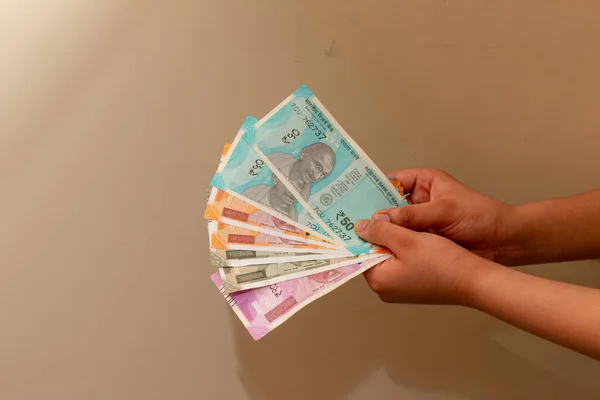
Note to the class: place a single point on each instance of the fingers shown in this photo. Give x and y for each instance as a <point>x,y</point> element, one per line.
<point>414,181</point>
<point>417,182</point>
<point>421,217</point>
<point>406,177</point>
<point>377,277</point>
<point>380,230</point>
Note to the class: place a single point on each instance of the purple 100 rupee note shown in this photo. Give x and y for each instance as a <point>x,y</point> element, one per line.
<point>263,309</point>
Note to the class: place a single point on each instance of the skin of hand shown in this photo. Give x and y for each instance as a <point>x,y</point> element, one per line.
<point>564,229</point>
<point>424,268</point>
<point>444,206</point>
<point>429,269</point>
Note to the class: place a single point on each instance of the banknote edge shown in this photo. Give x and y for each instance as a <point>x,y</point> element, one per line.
<point>217,181</point>
<point>297,195</point>
<point>215,277</point>
<point>364,267</point>
<point>299,274</point>
<point>340,128</point>
<point>354,249</point>
<point>278,233</point>
<point>259,333</point>
<point>363,154</point>
<point>279,259</point>
<point>211,215</point>
<point>214,228</point>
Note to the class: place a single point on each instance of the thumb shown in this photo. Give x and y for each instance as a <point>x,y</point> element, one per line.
<point>380,230</point>
<point>419,217</point>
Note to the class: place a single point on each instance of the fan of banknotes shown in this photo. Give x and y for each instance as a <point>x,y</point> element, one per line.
<point>282,208</point>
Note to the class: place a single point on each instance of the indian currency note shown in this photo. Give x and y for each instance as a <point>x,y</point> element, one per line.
<point>330,176</point>
<point>239,258</point>
<point>239,255</point>
<point>225,236</point>
<point>236,279</point>
<point>263,309</point>
<point>230,209</point>
<point>244,174</point>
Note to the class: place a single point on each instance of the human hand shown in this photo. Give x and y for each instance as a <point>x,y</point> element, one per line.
<point>424,268</point>
<point>444,206</point>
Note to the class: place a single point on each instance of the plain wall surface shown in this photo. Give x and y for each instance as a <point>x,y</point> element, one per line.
<point>113,114</point>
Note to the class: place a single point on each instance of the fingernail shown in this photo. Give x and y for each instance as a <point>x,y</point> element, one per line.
<point>382,216</point>
<point>361,225</point>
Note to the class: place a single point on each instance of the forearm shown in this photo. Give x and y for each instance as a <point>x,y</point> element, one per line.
<point>566,314</point>
<point>552,231</point>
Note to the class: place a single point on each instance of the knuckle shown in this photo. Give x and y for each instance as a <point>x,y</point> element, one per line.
<point>439,173</point>
<point>404,215</point>
<point>376,228</point>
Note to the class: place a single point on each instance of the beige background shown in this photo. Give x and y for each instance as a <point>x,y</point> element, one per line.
<point>112,117</point>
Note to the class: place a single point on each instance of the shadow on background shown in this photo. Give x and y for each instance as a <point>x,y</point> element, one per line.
<point>326,351</point>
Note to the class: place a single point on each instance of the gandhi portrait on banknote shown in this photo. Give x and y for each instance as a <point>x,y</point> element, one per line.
<point>315,163</point>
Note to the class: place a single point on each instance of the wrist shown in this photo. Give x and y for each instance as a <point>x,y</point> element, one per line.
<point>483,274</point>
<point>553,231</point>
<point>513,243</point>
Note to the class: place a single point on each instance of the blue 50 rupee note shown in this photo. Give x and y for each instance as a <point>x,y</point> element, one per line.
<point>331,177</point>
<point>245,174</point>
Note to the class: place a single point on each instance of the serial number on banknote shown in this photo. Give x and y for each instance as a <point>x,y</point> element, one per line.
<point>309,124</point>
<point>312,225</point>
<point>342,219</point>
